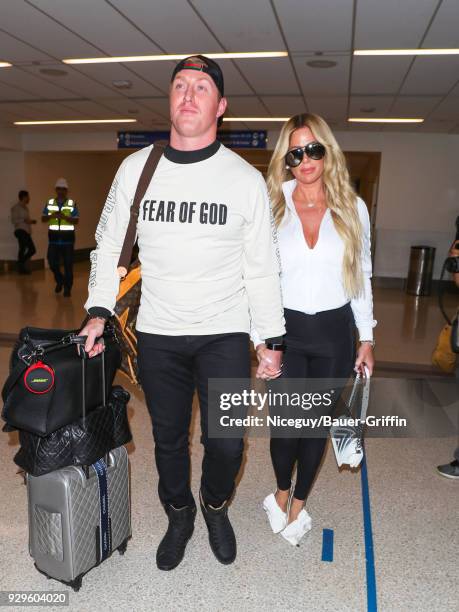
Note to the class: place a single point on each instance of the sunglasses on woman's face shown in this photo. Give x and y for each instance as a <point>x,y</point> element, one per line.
<point>314,150</point>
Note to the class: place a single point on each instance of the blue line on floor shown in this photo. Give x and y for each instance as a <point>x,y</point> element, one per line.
<point>372,603</point>
<point>327,545</point>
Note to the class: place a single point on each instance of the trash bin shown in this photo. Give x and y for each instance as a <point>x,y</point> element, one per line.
<point>420,272</point>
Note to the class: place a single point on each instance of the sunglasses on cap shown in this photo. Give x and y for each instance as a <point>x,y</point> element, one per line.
<point>314,150</point>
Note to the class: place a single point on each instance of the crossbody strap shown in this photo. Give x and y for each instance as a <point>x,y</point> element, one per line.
<point>142,186</point>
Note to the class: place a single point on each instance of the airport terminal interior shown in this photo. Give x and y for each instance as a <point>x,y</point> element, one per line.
<point>385,535</point>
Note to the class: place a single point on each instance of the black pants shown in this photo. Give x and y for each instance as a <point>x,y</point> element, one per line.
<point>56,252</point>
<point>26,247</point>
<point>318,346</point>
<point>170,368</point>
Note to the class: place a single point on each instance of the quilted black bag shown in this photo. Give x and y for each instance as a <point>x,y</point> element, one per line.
<point>43,391</point>
<point>80,443</point>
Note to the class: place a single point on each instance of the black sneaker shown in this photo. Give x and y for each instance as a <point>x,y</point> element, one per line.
<point>221,535</point>
<point>450,470</point>
<point>58,288</point>
<point>172,547</point>
<point>67,292</point>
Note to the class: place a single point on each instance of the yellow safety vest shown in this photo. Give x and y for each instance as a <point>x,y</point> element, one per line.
<point>66,209</point>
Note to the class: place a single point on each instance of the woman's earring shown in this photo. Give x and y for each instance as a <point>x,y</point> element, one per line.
<point>287,167</point>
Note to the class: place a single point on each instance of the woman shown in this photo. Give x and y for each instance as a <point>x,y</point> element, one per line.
<point>324,244</point>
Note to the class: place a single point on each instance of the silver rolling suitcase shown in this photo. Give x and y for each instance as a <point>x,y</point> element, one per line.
<point>79,516</point>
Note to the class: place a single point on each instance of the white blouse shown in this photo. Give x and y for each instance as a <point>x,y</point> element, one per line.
<point>312,279</point>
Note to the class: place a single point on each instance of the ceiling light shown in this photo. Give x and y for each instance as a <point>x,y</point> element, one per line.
<point>54,72</point>
<point>383,120</point>
<point>75,121</point>
<point>165,57</point>
<point>122,84</point>
<point>246,119</point>
<point>321,64</point>
<point>5,65</point>
<point>406,52</point>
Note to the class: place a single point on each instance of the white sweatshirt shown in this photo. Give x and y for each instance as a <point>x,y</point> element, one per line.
<point>207,245</point>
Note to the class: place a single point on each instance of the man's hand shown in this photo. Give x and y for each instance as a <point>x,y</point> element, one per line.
<point>269,363</point>
<point>93,329</point>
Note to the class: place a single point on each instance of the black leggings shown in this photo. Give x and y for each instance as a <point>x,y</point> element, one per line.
<point>318,346</point>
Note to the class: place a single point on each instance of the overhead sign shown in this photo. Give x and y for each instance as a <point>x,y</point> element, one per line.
<point>244,139</point>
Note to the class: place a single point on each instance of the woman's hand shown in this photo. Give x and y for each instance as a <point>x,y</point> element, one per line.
<point>365,357</point>
<point>269,363</point>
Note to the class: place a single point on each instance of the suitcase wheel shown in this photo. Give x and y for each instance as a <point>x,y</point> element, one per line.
<point>76,584</point>
<point>122,547</point>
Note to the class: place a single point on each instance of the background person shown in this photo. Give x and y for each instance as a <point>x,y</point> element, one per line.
<point>208,257</point>
<point>61,214</point>
<point>20,217</point>
<point>451,470</point>
<point>324,243</point>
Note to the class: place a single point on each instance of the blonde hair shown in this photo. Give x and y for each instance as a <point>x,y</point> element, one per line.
<point>340,196</point>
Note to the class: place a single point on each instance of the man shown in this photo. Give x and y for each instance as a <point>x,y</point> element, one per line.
<point>208,255</point>
<point>451,470</point>
<point>61,214</point>
<point>21,220</point>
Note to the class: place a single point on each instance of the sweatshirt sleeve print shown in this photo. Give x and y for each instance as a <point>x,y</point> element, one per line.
<point>261,267</point>
<point>111,230</point>
<point>362,307</point>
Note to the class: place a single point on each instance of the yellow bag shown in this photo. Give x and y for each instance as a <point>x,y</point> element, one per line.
<point>443,357</point>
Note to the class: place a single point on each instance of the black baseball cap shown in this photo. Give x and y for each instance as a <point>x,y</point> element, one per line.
<point>204,64</point>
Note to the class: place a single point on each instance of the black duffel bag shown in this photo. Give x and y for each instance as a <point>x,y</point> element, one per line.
<point>80,443</point>
<point>44,390</point>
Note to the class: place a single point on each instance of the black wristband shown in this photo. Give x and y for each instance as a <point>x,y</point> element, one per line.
<point>272,346</point>
<point>97,312</point>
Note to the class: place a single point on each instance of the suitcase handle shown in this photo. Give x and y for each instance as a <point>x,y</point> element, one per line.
<point>84,356</point>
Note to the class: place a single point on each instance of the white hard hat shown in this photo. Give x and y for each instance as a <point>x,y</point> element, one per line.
<point>61,182</point>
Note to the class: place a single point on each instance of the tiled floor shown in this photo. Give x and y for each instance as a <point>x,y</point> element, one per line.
<point>414,511</point>
<point>407,327</point>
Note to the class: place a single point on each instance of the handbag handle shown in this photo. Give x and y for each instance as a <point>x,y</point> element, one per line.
<point>142,186</point>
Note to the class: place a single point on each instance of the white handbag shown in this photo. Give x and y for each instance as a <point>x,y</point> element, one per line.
<point>347,434</point>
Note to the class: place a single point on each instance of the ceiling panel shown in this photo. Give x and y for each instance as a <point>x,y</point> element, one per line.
<point>102,28</point>
<point>381,105</point>
<point>268,76</point>
<point>16,112</point>
<point>242,25</point>
<point>444,31</point>
<point>22,79</point>
<point>158,105</point>
<point>10,92</point>
<point>410,106</point>
<point>246,107</point>
<point>182,33</point>
<point>378,75</point>
<point>447,109</point>
<point>328,107</point>
<point>383,24</point>
<point>107,73</point>
<point>12,50</point>
<point>435,125</point>
<point>75,81</point>
<point>50,111</point>
<point>284,106</point>
<point>24,21</point>
<point>308,25</point>
<point>323,81</point>
<point>123,105</point>
<point>92,110</point>
<point>432,76</point>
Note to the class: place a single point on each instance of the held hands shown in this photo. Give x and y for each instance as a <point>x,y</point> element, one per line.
<point>269,363</point>
<point>93,329</point>
<point>366,358</point>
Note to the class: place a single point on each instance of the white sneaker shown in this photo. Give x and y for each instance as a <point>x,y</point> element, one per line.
<point>277,518</point>
<point>297,528</point>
